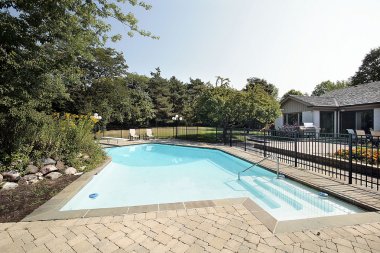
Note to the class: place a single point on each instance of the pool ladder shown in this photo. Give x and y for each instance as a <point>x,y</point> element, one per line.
<point>274,157</point>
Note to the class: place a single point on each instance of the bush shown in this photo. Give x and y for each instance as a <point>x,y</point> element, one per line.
<point>68,138</point>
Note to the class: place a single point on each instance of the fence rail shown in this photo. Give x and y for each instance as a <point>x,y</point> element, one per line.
<point>351,158</point>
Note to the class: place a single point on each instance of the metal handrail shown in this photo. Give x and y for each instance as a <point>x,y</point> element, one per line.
<point>262,160</point>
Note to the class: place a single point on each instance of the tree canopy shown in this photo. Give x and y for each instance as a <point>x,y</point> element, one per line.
<point>271,89</point>
<point>369,71</point>
<point>292,92</point>
<point>327,86</point>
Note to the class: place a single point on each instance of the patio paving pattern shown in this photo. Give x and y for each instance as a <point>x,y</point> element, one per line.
<point>213,229</point>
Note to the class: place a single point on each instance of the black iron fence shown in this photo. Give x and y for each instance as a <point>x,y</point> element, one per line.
<point>352,158</point>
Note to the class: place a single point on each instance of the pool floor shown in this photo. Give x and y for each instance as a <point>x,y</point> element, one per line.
<point>155,174</point>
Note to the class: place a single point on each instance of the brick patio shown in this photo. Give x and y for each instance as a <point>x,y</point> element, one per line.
<point>214,229</point>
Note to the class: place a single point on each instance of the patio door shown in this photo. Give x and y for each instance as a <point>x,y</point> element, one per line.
<point>327,122</point>
<point>347,120</point>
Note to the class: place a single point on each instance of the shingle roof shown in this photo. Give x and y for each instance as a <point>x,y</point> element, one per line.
<point>355,95</point>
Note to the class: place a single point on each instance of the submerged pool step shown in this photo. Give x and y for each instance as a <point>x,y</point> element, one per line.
<point>260,195</point>
<point>313,199</point>
<point>276,191</point>
<point>290,193</point>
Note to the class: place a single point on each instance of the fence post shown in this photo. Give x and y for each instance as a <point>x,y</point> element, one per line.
<point>245,142</point>
<point>350,158</point>
<point>231,137</point>
<point>186,132</point>
<point>295,149</point>
<point>197,134</point>
<point>265,144</point>
<point>216,134</point>
<point>121,133</point>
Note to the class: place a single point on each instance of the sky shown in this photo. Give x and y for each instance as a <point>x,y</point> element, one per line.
<point>294,44</point>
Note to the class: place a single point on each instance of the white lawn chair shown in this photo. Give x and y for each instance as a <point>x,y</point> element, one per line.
<point>149,134</point>
<point>133,135</point>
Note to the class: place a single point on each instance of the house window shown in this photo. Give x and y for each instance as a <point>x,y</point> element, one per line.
<point>292,118</point>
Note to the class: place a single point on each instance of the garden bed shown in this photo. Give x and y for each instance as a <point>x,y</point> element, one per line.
<point>17,203</point>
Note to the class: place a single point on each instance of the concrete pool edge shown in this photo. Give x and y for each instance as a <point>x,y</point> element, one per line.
<point>51,209</point>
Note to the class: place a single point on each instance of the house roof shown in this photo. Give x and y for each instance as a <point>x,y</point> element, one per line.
<point>355,95</point>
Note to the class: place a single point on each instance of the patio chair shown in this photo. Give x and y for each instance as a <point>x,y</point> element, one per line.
<point>149,134</point>
<point>133,135</point>
<point>375,137</point>
<point>361,136</point>
<point>354,136</point>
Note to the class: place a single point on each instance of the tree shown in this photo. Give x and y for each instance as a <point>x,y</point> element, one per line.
<point>220,106</point>
<point>42,46</point>
<point>292,92</point>
<point>261,108</point>
<point>327,86</point>
<point>268,87</point>
<point>159,91</point>
<point>222,82</point>
<point>369,71</point>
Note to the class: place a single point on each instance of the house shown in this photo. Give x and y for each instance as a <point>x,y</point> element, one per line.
<point>355,107</point>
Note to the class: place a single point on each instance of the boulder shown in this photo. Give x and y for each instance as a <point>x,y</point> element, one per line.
<point>11,176</point>
<point>70,171</point>
<point>9,185</point>
<point>60,165</point>
<point>53,175</point>
<point>48,161</point>
<point>47,169</point>
<point>31,169</point>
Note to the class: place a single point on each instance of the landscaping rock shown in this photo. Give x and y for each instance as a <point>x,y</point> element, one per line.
<point>47,169</point>
<point>60,165</point>
<point>9,185</point>
<point>48,161</point>
<point>31,169</point>
<point>70,171</point>
<point>11,176</point>
<point>85,157</point>
<point>53,175</point>
<point>39,175</point>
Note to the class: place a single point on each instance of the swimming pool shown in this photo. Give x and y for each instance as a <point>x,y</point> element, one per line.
<point>155,173</point>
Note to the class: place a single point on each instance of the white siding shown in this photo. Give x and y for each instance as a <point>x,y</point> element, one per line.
<point>376,119</point>
<point>307,116</point>
<point>279,122</point>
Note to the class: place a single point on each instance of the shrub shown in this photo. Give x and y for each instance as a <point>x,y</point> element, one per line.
<point>66,137</point>
<point>362,154</point>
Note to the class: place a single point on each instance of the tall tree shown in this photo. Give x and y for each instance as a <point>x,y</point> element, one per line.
<point>268,87</point>
<point>159,91</point>
<point>327,86</point>
<point>369,71</point>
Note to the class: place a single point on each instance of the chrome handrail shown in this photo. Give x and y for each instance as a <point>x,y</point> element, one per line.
<point>262,160</point>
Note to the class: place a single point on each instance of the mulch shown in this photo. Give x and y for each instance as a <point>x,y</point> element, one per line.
<point>18,203</point>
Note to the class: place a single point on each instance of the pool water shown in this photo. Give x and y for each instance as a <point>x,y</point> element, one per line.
<point>154,173</point>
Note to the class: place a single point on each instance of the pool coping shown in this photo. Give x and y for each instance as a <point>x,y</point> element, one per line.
<point>51,209</point>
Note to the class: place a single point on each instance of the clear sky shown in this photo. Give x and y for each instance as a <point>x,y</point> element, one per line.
<point>294,44</point>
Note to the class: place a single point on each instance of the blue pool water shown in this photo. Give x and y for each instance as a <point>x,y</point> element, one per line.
<point>153,173</point>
